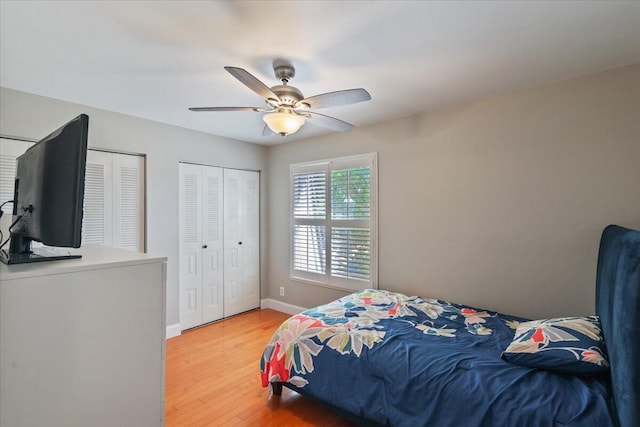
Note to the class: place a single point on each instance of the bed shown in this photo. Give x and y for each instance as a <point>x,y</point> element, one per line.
<point>385,359</point>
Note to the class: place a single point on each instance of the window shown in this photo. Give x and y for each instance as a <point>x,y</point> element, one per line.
<point>334,222</point>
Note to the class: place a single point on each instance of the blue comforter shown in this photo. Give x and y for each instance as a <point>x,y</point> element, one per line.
<point>409,361</point>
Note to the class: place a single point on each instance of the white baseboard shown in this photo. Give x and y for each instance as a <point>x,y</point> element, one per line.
<point>173,330</point>
<point>281,306</point>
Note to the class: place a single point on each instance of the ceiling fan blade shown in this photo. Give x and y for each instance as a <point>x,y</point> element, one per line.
<point>256,109</point>
<point>327,122</point>
<point>335,99</point>
<point>252,82</point>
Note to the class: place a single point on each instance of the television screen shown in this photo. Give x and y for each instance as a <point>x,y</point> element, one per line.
<point>49,194</point>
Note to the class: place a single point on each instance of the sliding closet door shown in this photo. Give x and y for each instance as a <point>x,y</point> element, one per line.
<point>241,241</point>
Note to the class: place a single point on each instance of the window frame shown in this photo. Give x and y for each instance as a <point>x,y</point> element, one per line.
<point>327,166</point>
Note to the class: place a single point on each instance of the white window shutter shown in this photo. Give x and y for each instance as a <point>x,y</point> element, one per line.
<point>334,222</point>
<point>309,248</point>
<point>310,194</point>
<point>351,231</point>
<point>351,253</point>
<point>309,206</point>
<point>351,193</point>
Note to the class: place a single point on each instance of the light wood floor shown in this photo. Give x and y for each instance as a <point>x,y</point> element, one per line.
<point>213,378</point>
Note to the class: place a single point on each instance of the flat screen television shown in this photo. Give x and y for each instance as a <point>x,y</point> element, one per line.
<point>49,195</point>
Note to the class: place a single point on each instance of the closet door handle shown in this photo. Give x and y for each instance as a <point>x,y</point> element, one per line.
<point>239,243</point>
<point>204,246</point>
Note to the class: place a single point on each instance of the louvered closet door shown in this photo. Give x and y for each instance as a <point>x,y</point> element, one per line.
<point>190,223</point>
<point>114,200</point>
<point>97,216</point>
<point>212,243</point>
<point>251,240</point>
<point>241,241</point>
<point>113,211</point>
<point>10,149</point>
<point>128,202</point>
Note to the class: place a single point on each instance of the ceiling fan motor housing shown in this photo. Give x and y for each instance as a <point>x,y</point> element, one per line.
<point>283,70</point>
<point>289,95</point>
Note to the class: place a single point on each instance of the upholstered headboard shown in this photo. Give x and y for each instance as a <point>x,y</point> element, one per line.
<point>618,305</point>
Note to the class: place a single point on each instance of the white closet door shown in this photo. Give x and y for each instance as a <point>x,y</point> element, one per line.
<point>97,216</point>
<point>114,200</point>
<point>241,271</point>
<point>113,211</point>
<point>10,149</point>
<point>212,244</point>
<point>190,223</point>
<point>233,217</point>
<point>128,202</point>
<point>251,240</point>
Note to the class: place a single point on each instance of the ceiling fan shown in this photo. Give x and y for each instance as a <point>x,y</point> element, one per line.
<point>287,109</point>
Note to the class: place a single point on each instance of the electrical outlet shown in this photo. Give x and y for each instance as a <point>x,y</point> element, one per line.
<point>281,291</point>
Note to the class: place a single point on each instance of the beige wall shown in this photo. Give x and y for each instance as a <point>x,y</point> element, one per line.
<point>31,116</point>
<point>497,204</point>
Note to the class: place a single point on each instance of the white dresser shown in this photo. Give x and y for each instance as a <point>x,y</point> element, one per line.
<point>82,341</point>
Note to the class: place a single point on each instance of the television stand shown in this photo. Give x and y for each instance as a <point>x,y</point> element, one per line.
<point>82,342</point>
<point>39,254</point>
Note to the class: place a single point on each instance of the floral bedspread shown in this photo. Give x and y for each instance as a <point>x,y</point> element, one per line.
<point>398,360</point>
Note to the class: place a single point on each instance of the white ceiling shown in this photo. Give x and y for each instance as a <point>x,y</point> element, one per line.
<point>154,59</point>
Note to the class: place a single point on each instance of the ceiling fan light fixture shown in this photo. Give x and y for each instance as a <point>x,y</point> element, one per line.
<point>283,123</point>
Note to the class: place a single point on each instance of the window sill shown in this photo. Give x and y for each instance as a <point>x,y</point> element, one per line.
<point>330,286</point>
